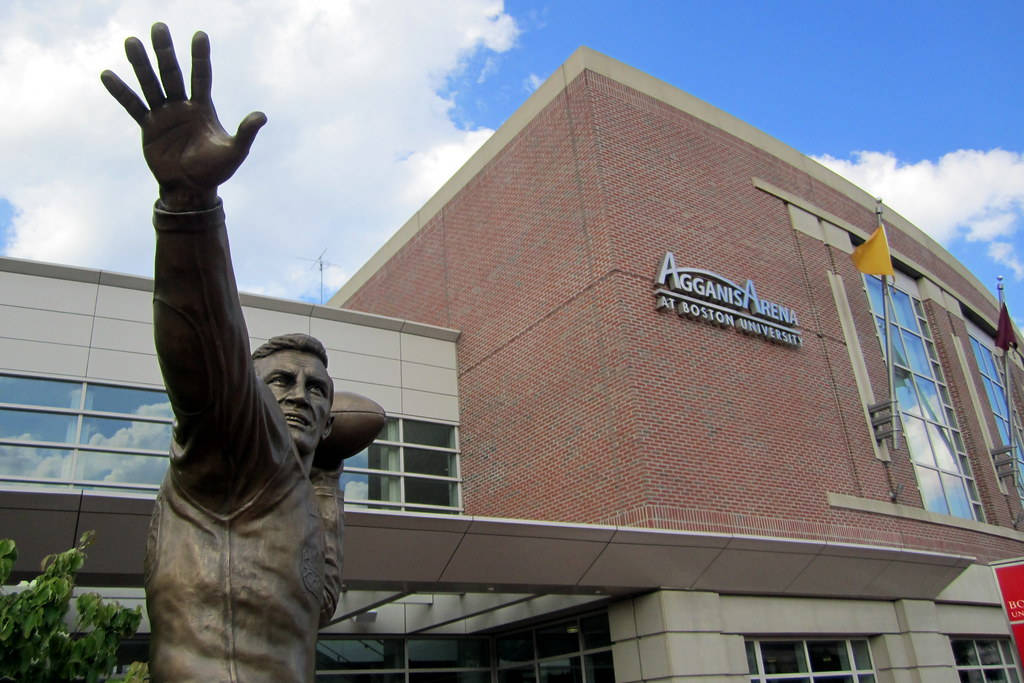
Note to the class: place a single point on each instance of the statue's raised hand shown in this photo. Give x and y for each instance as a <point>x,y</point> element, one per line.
<point>187,149</point>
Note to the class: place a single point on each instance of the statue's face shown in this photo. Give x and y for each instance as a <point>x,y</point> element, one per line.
<point>303,389</point>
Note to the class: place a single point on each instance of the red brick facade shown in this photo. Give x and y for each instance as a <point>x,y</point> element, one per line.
<point>581,402</point>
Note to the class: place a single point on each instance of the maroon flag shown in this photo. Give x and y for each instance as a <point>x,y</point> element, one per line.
<point>1005,337</point>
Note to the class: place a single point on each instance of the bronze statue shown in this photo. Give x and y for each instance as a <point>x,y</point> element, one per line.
<point>243,559</point>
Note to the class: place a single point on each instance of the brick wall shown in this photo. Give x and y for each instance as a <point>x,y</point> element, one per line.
<point>580,402</point>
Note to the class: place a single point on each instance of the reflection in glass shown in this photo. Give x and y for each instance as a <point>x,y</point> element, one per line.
<point>121,468</point>
<point>955,494</point>
<point>903,309</point>
<point>595,631</point>
<point>141,402</point>
<point>515,648</point>
<point>599,667</point>
<point>383,653</point>
<point>905,394</point>
<point>521,674</point>
<point>41,463</point>
<point>430,462</point>
<point>875,293</point>
<point>382,677</point>
<point>26,426</point>
<point>429,434</point>
<point>917,440</point>
<point>32,391</point>
<point>105,432</point>
<point>988,651</point>
<point>376,457</point>
<point>861,654</point>
<point>445,653</point>
<point>828,655</point>
<point>364,486</point>
<point>898,352</point>
<point>942,447</point>
<point>751,657</point>
<point>783,657</point>
<point>931,490</point>
<point>558,639</point>
<point>390,431</point>
<point>429,492</point>
<point>450,677</point>
<point>915,353</point>
<point>930,399</point>
<point>561,671</point>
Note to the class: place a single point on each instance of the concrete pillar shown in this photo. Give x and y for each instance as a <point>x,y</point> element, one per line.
<point>919,652</point>
<point>674,636</point>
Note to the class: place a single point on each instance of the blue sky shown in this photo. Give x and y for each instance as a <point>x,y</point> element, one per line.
<point>373,105</point>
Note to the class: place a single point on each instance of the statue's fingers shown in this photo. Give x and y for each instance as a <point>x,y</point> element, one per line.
<point>170,72</point>
<point>123,94</point>
<point>247,130</point>
<point>202,71</point>
<point>144,72</point>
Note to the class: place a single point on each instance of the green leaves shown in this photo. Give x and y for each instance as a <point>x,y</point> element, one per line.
<point>35,644</point>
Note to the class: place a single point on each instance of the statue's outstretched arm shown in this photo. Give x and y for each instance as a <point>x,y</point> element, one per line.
<point>221,452</point>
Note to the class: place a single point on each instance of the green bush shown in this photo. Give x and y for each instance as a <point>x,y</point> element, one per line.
<point>35,643</point>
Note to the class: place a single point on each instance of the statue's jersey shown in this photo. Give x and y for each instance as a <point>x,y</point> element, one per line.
<point>236,597</point>
<point>243,556</point>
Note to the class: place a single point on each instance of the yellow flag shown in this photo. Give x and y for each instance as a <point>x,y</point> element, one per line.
<point>873,257</point>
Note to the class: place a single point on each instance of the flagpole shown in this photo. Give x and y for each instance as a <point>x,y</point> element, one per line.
<point>1007,379</point>
<point>889,369</point>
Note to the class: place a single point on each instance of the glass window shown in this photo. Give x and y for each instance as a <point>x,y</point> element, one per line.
<point>361,486</point>
<point>568,651</point>
<point>566,670</point>
<point>34,391</point>
<point>993,379</point>
<point>929,422</point>
<point>595,632</point>
<point>818,660</point>
<point>515,648</point>
<point>382,677</point>
<point>141,402</point>
<point>360,653</point>
<point>429,434</point>
<point>430,462</point>
<point>21,425</point>
<point>120,468</point>
<point>454,653</point>
<point>85,434</point>
<point>522,674</point>
<point>104,432</point>
<point>30,462</point>
<point>984,660</point>
<point>126,447</point>
<point>421,464</point>
<point>558,639</point>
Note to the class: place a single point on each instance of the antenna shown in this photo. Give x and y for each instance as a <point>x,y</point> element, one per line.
<point>319,261</point>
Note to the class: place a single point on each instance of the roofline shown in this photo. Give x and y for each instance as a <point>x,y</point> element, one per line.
<point>269,303</point>
<point>586,59</point>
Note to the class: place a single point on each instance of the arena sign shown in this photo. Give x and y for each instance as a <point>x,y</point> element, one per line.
<point>708,297</point>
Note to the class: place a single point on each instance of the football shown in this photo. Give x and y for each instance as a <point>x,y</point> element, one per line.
<point>357,422</point>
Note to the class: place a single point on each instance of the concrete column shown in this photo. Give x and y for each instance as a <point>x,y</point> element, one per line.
<point>919,652</point>
<point>674,636</point>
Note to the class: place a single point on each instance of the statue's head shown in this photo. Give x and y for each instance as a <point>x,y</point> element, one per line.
<point>294,367</point>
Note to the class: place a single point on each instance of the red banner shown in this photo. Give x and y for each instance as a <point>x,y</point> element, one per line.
<point>1011,585</point>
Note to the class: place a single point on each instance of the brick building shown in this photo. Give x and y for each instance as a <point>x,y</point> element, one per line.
<point>631,369</point>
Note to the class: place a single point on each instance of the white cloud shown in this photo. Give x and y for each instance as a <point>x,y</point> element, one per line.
<point>1004,253</point>
<point>349,89</point>
<point>532,82</point>
<point>970,194</point>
